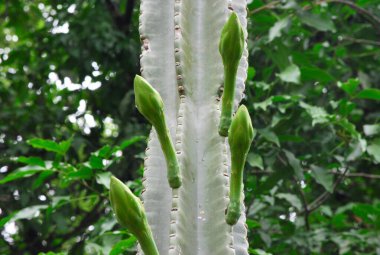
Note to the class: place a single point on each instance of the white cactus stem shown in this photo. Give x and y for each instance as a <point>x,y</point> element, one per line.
<point>180,58</point>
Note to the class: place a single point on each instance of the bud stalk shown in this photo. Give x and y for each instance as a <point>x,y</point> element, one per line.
<point>240,137</point>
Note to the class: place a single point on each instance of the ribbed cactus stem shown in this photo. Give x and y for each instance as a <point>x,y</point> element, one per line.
<point>185,62</point>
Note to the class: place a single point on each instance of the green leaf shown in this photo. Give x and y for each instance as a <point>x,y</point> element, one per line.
<point>277,28</point>
<point>291,74</point>
<point>255,160</point>
<point>122,6</point>
<point>84,173</point>
<point>258,252</point>
<point>105,152</point>
<point>251,73</point>
<point>264,104</point>
<point>339,220</point>
<point>373,149</point>
<point>65,145</point>
<point>269,136</point>
<point>370,130</point>
<point>45,144</point>
<point>319,22</point>
<point>58,200</point>
<point>104,179</point>
<point>323,177</point>
<point>372,94</point>
<point>315,74</point>
<point>318,114</point>
<point>87,203</point>
<point>35,161</point>
<point>22,172</point>
<point>367,212</point>
<point>50,145</point>
<point>123,245</point>
<point>129,142</point>
<point>292,199</point>
<point>26,213</point>
<point>349,86</point>
<point>96,162</point>
<point>295,164</point>
<point>347,126</point>
<point>252,224</point>
<point>51,253</point>
<point>41,178</point>
<point>5,219</point>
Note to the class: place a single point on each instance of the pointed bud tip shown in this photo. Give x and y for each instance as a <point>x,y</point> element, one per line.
<point>141,84</point>
<point>113,179</point>
<point>148,100</point>
<point>232,41</point>
<point>233,19</point>
<point>139,79</point>
<point>241,130</point>
<point>242,116</point>
<point>115,182</point>
<point>242,108</point>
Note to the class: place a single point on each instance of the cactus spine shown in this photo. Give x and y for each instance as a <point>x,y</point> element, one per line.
<point>181,60</point>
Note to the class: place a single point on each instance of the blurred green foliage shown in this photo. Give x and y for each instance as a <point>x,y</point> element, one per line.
<point>67,121</point>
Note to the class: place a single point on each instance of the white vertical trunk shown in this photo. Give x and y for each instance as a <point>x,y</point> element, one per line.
<point>180,56</point>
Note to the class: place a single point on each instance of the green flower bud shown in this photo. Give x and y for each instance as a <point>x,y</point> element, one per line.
<point>127,207</point>
<point>231,48</point>
<point>231,43</point>
<point>150,104</point>
<point>240,137</point>
<point>131,214</point>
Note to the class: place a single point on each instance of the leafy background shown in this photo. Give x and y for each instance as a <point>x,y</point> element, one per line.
<point>67,121</point>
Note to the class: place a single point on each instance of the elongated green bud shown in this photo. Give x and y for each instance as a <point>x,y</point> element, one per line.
<point>231,48</point>
<point>131,214</point>
<point>150,105</point>
<point>240,137</point>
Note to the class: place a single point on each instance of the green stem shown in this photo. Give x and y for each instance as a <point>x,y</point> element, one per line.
<point>227,100</point>
<point>147,242</point>
<point>170,155</point>
<point>236,186</point>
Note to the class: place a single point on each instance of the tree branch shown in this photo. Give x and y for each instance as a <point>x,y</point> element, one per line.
<point>122,22</point>
<point>348,175</point>
<point>361,41</point>
<point>304,204</point>
<point>371,18</point>
<point>271,5</point>
<point>325,195</point>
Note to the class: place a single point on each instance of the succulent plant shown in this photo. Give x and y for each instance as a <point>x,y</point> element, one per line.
<point>191,49</point>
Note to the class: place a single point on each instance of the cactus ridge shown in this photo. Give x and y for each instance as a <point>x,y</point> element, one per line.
<point>157,67</point>
<point>180,59</point>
